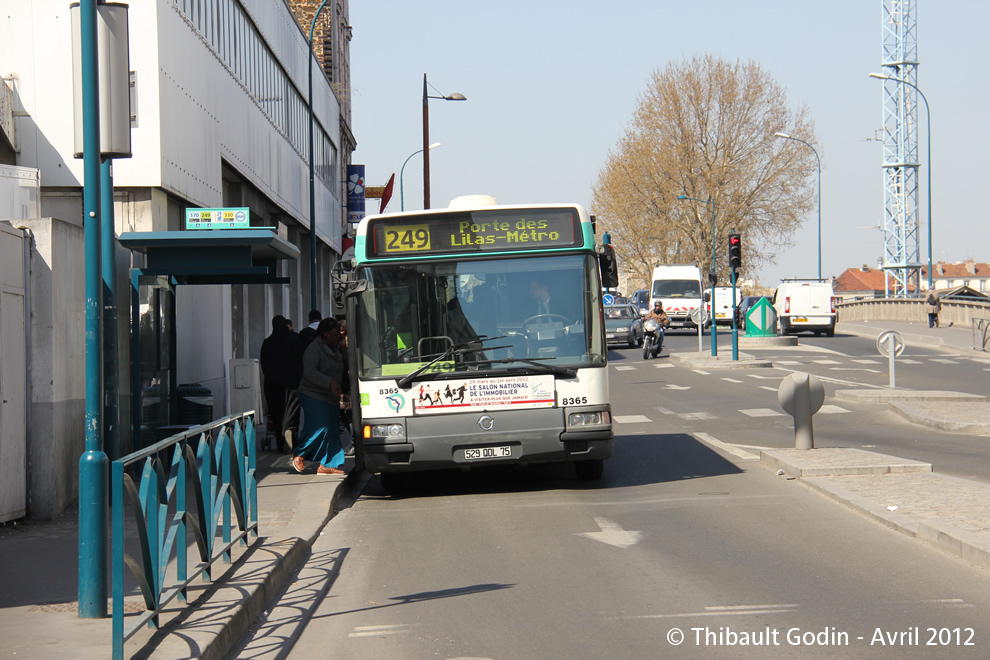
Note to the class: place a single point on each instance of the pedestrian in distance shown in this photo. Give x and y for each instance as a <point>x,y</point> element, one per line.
<point>934,307</point>
<point>308,333</point>
<point>281,365</point>
<point>319,394</point>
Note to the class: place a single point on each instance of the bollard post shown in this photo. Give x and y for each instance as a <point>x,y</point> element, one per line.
<point>890,361</point>
<point>801,396</point>
<point>889,343</point>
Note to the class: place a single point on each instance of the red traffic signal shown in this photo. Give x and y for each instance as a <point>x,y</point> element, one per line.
<point>735,251</point>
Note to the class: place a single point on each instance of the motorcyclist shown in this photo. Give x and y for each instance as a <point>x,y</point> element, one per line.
<point>663,321</point>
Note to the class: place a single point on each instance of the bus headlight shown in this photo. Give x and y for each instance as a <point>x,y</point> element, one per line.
<point>389,431</point>
<point>588,418</point>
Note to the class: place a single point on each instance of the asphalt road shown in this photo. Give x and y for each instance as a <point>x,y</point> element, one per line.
<point>681,550</point>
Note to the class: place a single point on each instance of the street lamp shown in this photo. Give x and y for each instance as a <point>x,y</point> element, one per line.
<point>928,115</point>
<point>402,198</point>
<point>788,137</point>
<point>711,276</point>
<point>426,136</point>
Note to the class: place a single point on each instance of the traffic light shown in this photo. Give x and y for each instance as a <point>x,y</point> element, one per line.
<point>735,251</point>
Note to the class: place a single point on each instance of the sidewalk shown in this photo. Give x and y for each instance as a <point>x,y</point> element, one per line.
<point>39,564</point>
<point>953,339</point>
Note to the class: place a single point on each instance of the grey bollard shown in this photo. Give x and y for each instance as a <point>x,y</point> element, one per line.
<point>801,396</point>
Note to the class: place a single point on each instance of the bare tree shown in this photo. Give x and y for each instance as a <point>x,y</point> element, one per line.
<point>704,128</point>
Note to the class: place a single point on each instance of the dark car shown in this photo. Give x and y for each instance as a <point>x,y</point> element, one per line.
<point>623,325</point>
<point>744,306</point>
<point>641,299</point>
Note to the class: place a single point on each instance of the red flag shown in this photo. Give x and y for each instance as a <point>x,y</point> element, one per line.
<point>387,195</point>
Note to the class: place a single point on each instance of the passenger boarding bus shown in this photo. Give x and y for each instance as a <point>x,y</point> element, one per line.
<point>477,338</point>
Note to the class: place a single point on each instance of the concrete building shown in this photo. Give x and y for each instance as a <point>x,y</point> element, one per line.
<point>219,118</point>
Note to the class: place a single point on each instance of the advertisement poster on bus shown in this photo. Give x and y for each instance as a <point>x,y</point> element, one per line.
<point>484,393</point>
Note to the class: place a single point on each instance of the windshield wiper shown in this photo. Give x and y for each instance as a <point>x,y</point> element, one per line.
<point>564,372</point>
<point>454,349</point>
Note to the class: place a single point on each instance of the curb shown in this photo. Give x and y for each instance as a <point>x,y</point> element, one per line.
<point>941,423</point>
<point>201,632</point>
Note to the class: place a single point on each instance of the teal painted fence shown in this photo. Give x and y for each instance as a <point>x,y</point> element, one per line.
<point>214,463</point>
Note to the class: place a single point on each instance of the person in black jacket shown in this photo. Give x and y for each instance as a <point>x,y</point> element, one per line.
<point>308,333</point>
<point>281,365</point>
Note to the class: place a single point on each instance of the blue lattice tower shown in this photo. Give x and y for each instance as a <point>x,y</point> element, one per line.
<point>901,262</point>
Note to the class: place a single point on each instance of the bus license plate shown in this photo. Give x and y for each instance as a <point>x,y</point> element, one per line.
<point>481,453</point>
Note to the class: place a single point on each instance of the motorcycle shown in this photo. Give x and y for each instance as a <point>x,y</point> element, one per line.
<point>652,338</point>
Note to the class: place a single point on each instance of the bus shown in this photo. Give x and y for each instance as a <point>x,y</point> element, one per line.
<point>476,337</point>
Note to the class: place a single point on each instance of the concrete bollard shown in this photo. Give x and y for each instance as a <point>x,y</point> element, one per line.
<point>801,396</point>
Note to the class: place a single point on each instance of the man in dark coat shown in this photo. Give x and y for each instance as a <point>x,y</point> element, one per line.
<point>281,365</point>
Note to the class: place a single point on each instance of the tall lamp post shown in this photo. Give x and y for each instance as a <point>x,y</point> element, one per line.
<point>711,275</point>
<point>928,116</point>
<point>312,169</point>
<point>817,160</point>
<point>402,197</point>
<point>426,136</point>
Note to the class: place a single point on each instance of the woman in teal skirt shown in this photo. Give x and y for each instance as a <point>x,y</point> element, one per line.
<point>319,396</point>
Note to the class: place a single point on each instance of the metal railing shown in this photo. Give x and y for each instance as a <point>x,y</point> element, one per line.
<point>214,463</point>
<point>981,333</point>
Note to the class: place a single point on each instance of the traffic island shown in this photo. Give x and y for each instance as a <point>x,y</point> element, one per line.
<point>767,342</point>
<point>838,461</point>
<point>705,361</point>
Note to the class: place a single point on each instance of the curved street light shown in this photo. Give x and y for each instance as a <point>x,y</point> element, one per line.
<point>402,198</point>
<point>312,170</point>
<point>817,160</point>
<point>928,115</point>
<point>426,136</point>
<point>711,278</point>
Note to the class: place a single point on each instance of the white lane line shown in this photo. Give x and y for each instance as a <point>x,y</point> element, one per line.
<point>828,410</point>
<point>872,371</point>
<point>731,380</point>
<point>663,365</point>
<point>727,448</point>
<point>376,631</point>
<point>827,362</point>
<point>759,377</point>
<point>696,416</point>
<point>632,368</point>
<point>687,615</point>
<point>632,419</point>
<point>761,412</point>
<point>867,361</point>
<point>942,360</point>
<point>768,388</point>
<point>792,363</point>
<point>665,411</point>
<point>701,372</point>
<point>907,361</point>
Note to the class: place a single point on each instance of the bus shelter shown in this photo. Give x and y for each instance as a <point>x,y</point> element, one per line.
<point>173,258</point>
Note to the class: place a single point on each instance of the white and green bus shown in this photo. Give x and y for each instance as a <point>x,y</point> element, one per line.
<point>476,338</point>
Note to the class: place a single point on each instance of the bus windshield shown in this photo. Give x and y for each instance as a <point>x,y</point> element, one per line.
<point>489,315</point>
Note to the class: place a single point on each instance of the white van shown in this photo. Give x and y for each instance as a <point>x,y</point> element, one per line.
<point>678,288</point>
<point>805,306</point>
<point>724,304</point>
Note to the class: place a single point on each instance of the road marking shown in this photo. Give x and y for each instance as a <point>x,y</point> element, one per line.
<point>632,419</point>
<point>768,388</point>
<point>761,412</point>
<point>671,386</point>
<point>740,610</point>
<point>731,380</point>
<point>701,372</point>
<point>665,411</point>
<point>872,371</point>
<point>867,361</point>
<point>792,363</point>
<point>625,368</point>
<point>729,449</point>
<point>613,534</point>
<point>764,377</point>
<point>663,365</point>
<point>376,631</point>
<point>944,361</point>
<point>829,410</point>
<point>827,362</point>
<point>907,361</point>
<point>697,415</point>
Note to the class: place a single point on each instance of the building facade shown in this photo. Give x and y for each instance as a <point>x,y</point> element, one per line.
<point>220,117</point>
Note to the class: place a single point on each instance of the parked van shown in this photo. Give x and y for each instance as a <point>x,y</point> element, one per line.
<point>805,306</point>
<point>724,304</point>
<point>678,288</point>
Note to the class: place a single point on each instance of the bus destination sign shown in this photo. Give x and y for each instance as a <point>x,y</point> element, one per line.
<point>478,231</point>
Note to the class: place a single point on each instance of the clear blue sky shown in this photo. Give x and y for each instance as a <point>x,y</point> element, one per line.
<point>551,86</point>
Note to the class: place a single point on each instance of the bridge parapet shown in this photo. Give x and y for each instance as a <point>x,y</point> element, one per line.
<point>912,310</point>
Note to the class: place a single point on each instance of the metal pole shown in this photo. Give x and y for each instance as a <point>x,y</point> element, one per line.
<point>426,149</point>
<point>714,336</point>
<point>402,197</point>
<point>312,169</point>
<point>111,376</point>
<point>94,468</point>
<point>732,306</point>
